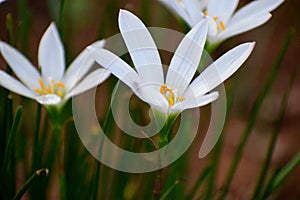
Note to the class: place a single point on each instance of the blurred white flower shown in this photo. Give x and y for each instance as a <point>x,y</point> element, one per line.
<point>224,22</point>
<point>175,93</point>
<point>53,85</point>
<point>1,1</point>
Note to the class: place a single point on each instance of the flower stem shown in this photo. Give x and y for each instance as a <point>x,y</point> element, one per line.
<point>35,149</point>
<point>59,151</point>
<point>163,140</point>
<point>41,172</point>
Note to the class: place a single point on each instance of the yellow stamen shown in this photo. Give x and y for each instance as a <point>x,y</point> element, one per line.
<point>222,25</point>
<point>60,93</point>
<point>49,90</point>
<point>41,81</point>
<point>170,96</point>
<point>53,88</point>
<point>39,91</point>
<point>60,84</point>
<point>216,18</point>
<point>180,98</point>
<point>171,101</point>
<point>163,89</point>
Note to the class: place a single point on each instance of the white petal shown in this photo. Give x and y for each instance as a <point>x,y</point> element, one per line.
<point>49,99</point>
<point>80,66</point>
<point>194,9</point>
<point>116,66</point>
<point>141,47</point>
<point>1,1</point>
<point>151,95</point>
<point>219,70</point>
<point>51,54</point>
<point>178,8</point>
<point>195,102</point>
<point>91,80</point>
<point>223,9</point>
<point>186,58</point>
<point>126,74</point>
<point>24,70</point>
<point>15,86</point>
<point>255,8</point>
<point>244,25</point>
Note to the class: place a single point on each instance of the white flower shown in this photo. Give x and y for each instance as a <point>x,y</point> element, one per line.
<point>53,85</point>
<point>225,22</point>
<point>1,1</point>
<point>175,93</point>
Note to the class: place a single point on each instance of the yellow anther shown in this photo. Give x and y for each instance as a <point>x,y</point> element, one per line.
<point>216,18</point>
<point>60,84</point>
<point>170,95</point>
<point>53,88</point>
<point>163,89</point>
<point>60,93</point>
<point>180,98</point>
<point>39,91</point>
<point>49,90</point>
<point>171,101</point>
<point>222,25</point>
<point>41,81</point>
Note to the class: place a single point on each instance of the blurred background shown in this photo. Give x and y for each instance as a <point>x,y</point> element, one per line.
<point>83,22</point>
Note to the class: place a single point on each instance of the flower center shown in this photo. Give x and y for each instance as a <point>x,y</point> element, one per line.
<point>57,88</point>
<point>170,95</point>
<point>220,24</point>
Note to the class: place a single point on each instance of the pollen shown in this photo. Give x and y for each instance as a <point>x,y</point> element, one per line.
<point>53,87</point>
<point>41,82</point>
<point>60,84</point>
<point>170,95</point>
<point>220,24</point>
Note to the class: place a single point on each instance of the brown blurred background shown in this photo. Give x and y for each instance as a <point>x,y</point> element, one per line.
<point>87,21</point>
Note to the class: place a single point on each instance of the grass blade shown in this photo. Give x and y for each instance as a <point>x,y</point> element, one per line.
<point>41,172</point>
<point>279,177</point>
<point>276,130</point>
<point>11,144</point>
<point>199,181</point>
<point>255,111</point>
<point>169,190</point>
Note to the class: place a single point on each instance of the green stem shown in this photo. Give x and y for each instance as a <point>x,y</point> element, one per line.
<point>35,149</point>
<point>166,194</point>
<point>11,144</point>
<point>205,173</point>
<point>107,125</point>
<point>253,116</point>
<point>163,140</point>
<point>7,179</point>
<point>59,151</point>
<point>109,10</point>
<point>145,11</point>
<point>41,172</point>
<point>276,130</point>
<point>281,176</point>
<point>60,15</point>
